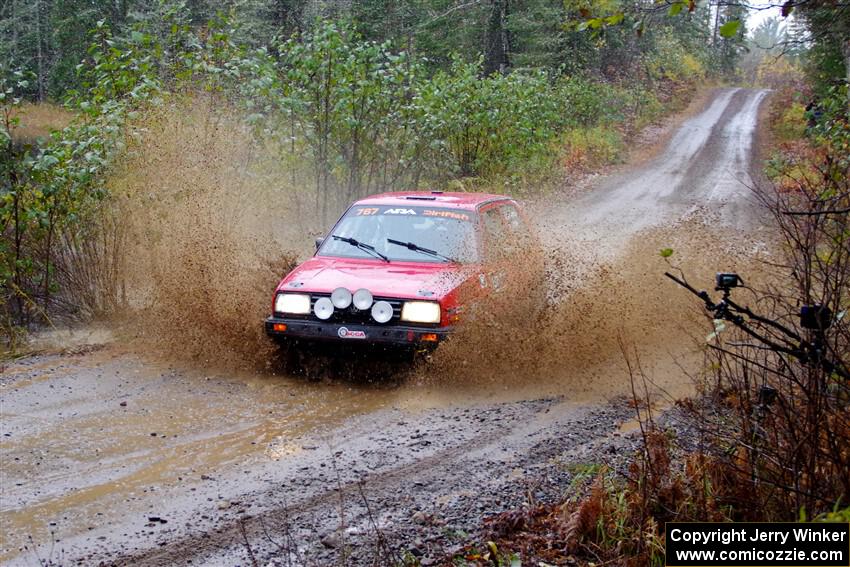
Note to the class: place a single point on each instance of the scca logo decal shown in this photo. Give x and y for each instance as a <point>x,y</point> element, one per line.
<point>346,333</point>
<point>399,212</point>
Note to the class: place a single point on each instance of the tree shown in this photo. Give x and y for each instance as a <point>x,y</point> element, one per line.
<point>769,35</point>
<point>828,24</point>
<point>497,50</point>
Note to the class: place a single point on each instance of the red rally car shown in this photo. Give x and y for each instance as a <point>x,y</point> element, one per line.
<point>397,268</point>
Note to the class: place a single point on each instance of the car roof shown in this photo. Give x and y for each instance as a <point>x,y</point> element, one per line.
<point>464,201</point>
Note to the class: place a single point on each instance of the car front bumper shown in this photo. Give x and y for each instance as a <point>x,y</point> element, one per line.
<point>354,333</point>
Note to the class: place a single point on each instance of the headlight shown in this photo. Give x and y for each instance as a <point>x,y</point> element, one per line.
<point>295,303</point>
<point>421,312</point>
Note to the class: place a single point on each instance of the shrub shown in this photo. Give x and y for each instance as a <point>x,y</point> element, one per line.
<point>589,147</point>
<point>488,126</point>
<point>791,123</point>
<point>672,61</point>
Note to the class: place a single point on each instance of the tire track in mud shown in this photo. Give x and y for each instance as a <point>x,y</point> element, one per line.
<point>229,534</point>
<point>528,441</point>
<point>703,168</point>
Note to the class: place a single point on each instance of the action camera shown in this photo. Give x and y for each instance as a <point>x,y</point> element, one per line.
<point>727,280</point>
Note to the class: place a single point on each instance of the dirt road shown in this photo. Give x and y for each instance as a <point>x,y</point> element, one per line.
<point>113,456</point>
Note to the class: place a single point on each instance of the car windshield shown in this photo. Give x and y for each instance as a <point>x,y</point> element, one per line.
<point>415,234</point>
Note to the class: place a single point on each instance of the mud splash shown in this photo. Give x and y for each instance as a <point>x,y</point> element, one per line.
<point>210,227</point>
<point>594,311</point>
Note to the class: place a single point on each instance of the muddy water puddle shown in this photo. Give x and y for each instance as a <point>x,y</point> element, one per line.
<point>99,442</point>
<point>88,439</point>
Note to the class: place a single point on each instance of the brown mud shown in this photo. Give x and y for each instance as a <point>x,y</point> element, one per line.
<point>167,445</point>
<point>207,231</point>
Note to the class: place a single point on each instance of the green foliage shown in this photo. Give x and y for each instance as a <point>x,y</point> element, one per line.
<point>837,515</point>
<point>587,103</point>
<point>831,125</point>
<point>671,60</point>
<point>49,192</point>
<point>349,102</point>
<point>587,147</point>
<point>730,29</point>
<point>814,142</point>
<point>683,22</point>
<point>595,117</point>
<point>826,29</point>
<point>12,214</point>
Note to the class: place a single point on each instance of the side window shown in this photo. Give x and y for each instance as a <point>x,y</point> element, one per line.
<point>494,232</point>
<point>512,217</point>
<point>519,231</point>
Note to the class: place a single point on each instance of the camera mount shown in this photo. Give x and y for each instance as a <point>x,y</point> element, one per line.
<point>772,334</point>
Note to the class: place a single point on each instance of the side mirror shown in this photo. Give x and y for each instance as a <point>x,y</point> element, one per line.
<point>319,240</point>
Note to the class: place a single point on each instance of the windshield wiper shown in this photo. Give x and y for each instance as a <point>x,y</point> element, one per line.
<point>417,248</point>
<point>362,245</point>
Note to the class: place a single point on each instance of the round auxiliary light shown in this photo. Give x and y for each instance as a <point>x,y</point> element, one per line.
<point>323,308</point>
<point>341,298</point>
<point>382,312</point>
<point>362,299</point>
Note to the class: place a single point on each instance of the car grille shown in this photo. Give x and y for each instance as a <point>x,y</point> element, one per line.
<point>352,315</point>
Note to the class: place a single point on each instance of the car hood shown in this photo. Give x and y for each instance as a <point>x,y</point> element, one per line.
<point>407,280</point>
